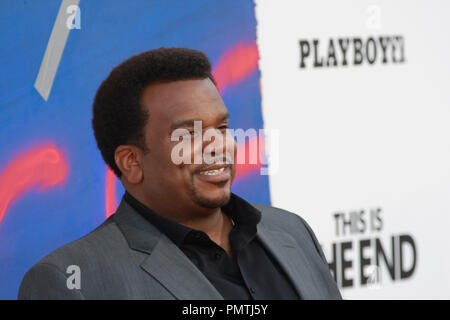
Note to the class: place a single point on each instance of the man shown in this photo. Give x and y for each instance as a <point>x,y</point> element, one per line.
<point>179,233</point>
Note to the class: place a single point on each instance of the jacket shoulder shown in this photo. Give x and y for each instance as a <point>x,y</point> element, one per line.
<point>291,223</point>
<point>92,245</point>
<point>47,279</point>
<point>280,218</point>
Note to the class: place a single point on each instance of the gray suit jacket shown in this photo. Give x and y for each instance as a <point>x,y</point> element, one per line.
<point>128,258</point>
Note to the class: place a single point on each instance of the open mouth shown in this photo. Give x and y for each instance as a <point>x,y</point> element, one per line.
<point>215,174</point>
<point>212,172</point>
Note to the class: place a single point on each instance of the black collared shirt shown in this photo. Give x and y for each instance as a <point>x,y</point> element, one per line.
<point>255,275</point>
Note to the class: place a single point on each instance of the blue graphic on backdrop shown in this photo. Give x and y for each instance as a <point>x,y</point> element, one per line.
<point>54,185</point>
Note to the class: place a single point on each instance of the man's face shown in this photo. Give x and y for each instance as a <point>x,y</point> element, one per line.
<point>176,105</point>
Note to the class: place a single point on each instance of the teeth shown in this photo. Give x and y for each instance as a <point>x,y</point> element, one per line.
<point>212,172</point>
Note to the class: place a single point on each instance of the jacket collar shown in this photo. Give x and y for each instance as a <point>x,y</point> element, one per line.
<point>292,259</point>
<point>165,261</point>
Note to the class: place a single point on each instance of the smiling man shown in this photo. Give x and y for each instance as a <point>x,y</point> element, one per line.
<point>179,232</point>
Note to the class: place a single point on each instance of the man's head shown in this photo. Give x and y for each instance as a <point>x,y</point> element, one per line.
<point>136,110</point>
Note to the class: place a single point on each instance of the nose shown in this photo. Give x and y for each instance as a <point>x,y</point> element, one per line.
<point>219,146</point>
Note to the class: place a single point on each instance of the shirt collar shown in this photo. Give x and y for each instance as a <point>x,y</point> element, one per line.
<point>244,215</point>
<point>173,230</point>
<point>242,212</point>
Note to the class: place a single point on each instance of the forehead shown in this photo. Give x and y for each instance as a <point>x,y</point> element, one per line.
<point>171,102</point>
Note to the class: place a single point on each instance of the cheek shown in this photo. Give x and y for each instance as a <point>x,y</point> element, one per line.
<point>196,150</point>
<point>177,159</point>
<point>158,164</point>
<point>232,154</point>
<point>231,148</point>
<point>186,151</point>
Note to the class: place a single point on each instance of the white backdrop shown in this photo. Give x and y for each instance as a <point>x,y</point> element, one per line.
<point>367,141</point>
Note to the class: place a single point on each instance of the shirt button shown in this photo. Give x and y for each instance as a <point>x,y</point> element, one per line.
<point>217,256</point>
<point>252,291</point>
<point>198,235</point>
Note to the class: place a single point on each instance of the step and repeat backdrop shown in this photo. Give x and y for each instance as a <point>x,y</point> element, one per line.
<point>54,185</point>
<point>359,94</point>
<point>352,96</point>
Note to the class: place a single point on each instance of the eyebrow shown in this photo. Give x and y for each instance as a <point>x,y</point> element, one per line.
<point>190,122</point>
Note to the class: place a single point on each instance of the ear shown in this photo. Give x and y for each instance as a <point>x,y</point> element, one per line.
<point>128,159</point>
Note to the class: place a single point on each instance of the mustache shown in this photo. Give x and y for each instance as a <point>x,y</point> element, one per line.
<point>224,159</point>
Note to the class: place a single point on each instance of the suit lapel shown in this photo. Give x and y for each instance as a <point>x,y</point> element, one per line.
<point>292,259</point>
<point>165,262</point>
<point>170,266</point>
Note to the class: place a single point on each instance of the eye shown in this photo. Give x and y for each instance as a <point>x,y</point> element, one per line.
<point>223,127</point>
<point>194,133</point>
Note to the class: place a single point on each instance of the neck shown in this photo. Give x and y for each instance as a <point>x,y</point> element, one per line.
<point>217,226</point>
<point>213,221</point>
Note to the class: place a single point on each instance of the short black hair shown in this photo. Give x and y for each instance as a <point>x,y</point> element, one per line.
<point>118,117</point>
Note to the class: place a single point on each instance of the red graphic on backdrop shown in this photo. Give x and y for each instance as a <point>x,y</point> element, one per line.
<point>40,168</point>
<point>234,66</point>
<point>255,146</point>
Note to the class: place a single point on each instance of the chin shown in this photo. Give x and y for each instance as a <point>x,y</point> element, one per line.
<point>212,199</point>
